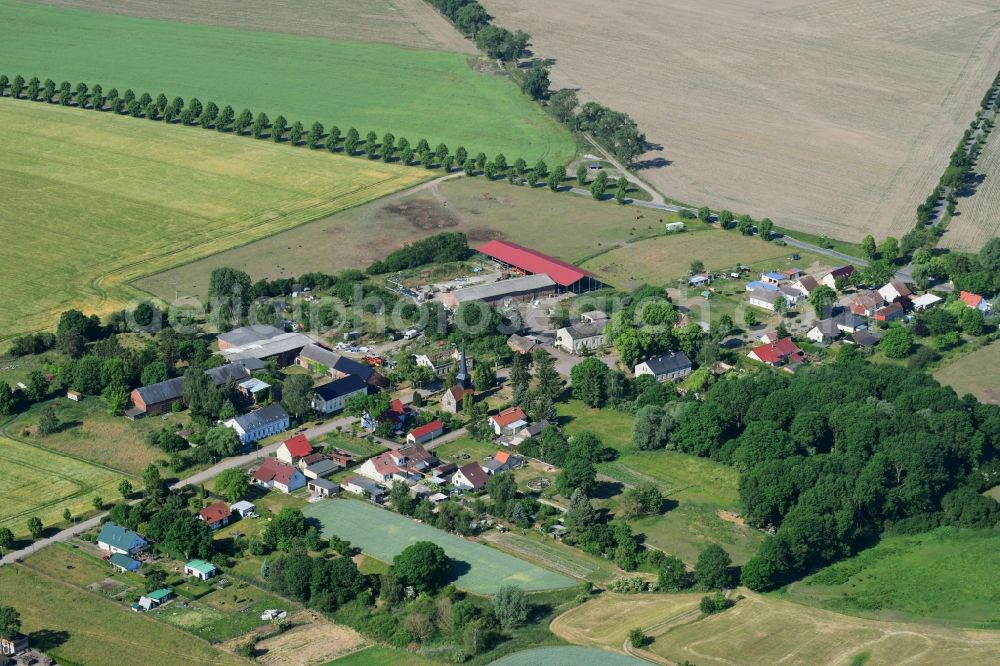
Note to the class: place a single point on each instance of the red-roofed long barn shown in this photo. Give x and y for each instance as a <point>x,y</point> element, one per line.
<point>518,258</point>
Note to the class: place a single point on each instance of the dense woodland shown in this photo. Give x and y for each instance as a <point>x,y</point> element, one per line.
<point>838,454</point>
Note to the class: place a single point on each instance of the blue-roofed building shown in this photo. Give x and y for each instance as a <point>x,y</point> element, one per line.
<point>124,563</point>
<point>762,285</point>
<point>773,278</point>
<point>116,539</point>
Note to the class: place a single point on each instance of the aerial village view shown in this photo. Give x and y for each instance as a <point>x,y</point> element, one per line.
<point>425,332</point>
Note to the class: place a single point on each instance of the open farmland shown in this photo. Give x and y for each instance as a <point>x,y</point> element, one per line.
<point>412,93</point>
<point>587,624</point>
<point>567,656</point>
<point>936,576</point>
<point>34,482</point>
<point>105,200</point>
<point>478,568</point>
<point>80,627</point>
<point>835,117</point>
<point>407,23</point>
<point>769,630</point>
<point>974,373</point>
<point>978,217</point>
<point>482,210</point>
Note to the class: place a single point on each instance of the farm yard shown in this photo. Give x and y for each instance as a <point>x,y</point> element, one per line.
<point>378,87</point>
<point>35,482</point>
<point>978,217</point>
<point>478,568</point>
<point>481,210</point>
<point>835,118</point>
<point>407,23</point>
<point>974,373</point>
<point>108,199</point>
<point>766,630</point>
<point>664,259</point>
<point>932,576</point>
<point>76,626</point>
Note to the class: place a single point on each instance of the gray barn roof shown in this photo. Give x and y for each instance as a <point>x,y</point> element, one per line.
<point>261,417</point>
<point>165,391</point>
<point>668,363</point>
<point>339,387</point>
<point>225,373</point>
<point>247,334</point>
<point>495,290</point>
<point>337,362</point>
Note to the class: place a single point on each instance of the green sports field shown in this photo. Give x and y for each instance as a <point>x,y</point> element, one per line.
<point>412,93</point>
<point>384,534</point>
<point>34,482</point>
<point>93,201</point>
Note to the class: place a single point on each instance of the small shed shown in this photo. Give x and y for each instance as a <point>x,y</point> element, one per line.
<point>322,487</point>
<point>123,563</point>
<point>674,226</point>
<point>153,599</point>
<point>75,396</point>
<point>200,569</point>
<point>244,508</point>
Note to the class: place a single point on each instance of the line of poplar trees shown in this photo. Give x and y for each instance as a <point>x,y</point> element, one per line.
<point>260,126</point>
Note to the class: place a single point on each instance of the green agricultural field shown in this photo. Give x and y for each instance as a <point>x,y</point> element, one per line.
<point>79,627</point>
<point>35,482</point>
<point>384,534</point>
<point>940,576</point>
<point>540,549</point>
<point>105,200</point>
<point>412,93</point>
<point>974,373</point>
<point>702,494</point>
<point>482,210</point>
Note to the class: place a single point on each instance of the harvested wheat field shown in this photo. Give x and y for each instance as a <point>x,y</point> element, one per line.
<point>768,630</point>
<point>408,23</point>
<point>311,640</point>
<point>833,117</point>
<point>978,217</point>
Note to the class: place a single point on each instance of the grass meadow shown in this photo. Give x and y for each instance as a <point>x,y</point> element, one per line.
<point>102,200</point>
<point>940,575</point>
<point>698,490</point>
<point>383,656</point>
<point>79,627</point>
<point>35,482</point>
<point>477,568</point>
<point>412,93</point>
<point>567,656</point>
<point>974,373</point>
<point>89,433</point>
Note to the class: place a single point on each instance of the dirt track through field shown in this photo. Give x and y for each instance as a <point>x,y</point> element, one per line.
<point>832,117</point>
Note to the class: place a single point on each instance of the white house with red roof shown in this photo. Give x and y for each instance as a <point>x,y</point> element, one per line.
<point>291,450</point>
<point>403,464</point>
<point>471,476</point>
<point>509,420</point>
<point>426,432</point>
<point>975,301</point>
<point>830,279</point>
<point>777,353</point>
<point>276,475</point>
<point>216,514</point>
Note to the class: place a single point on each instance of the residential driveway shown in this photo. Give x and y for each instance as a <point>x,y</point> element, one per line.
<point>565,362</point>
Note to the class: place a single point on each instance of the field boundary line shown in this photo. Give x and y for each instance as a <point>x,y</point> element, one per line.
<point>5,432</point>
